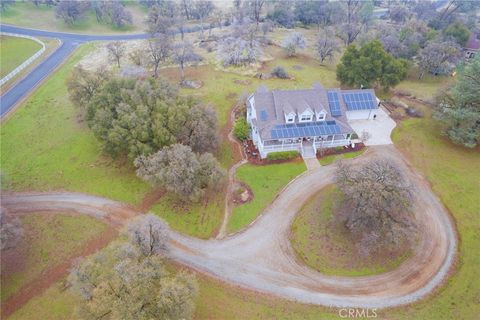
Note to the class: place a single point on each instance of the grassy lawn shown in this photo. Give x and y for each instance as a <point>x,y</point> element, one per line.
<point>221,89</point>
<point>45,146</point>
<point>14,51</point>
<point>50,46</point>
<point>426,88</point>
<point>454,176</point>
<point>26,14</point>
<point>200,220</point>
<point>55,303</point>
<point>327,247</point>
<point>334,157</point>
<point>40,247</point>
<point>265,182</point>
<point>216,300</point>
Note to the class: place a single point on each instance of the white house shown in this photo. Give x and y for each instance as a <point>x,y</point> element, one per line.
<point>308,119</point>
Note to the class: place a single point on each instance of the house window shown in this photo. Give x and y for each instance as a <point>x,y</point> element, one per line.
<point>306,118</point>
<point>321,117</point>
<point>290,120</point>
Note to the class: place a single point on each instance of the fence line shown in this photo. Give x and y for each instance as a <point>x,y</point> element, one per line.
<point>14,72</point>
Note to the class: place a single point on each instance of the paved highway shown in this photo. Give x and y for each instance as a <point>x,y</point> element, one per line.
<point>70,41</point>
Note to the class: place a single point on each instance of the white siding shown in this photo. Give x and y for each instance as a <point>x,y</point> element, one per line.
<point>361,114</point>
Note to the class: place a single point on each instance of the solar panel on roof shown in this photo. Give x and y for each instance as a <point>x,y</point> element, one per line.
<point>359,100</point>
<point>334,103</point>
<point>288,131</point>
<point>263,115</point>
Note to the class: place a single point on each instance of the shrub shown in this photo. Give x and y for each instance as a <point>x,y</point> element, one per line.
<point>280,72</point>
<point>241,130</point>
<point>282,155</point>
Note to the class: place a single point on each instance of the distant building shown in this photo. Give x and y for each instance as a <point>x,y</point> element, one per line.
<point>472,46</point>
<point>308,119</point>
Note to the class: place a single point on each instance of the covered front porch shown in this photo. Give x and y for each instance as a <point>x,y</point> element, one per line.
<point>307,146</point>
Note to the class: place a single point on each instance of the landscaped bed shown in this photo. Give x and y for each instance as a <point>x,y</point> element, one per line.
<point>334,154</point>
<point>327,246</point>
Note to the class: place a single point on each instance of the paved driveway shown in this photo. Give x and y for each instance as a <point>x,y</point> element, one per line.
<point>379,129</point>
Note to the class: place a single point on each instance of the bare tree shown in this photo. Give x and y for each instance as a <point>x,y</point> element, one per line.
<point>203,9</point>
<point>150,234</point>
<point>71,11</point>
<point>266,27</point>
<point>116,50</point>
<point>178,169</point>
<point>159,21</point>
<point>357,16</point>
<point>378,202</point>
<point>292,42</point>
<point>184,54</point>
<point>237,51</point>
<point>112,12</point>
<point>327,45</point>
<point>187,8</point>
<point>82,85</point>
<point>399,13</point>
<point>438,57</point>
<point>119,282</point>
<point>4,4</point>
<point>365,136</point>
<point>255,8</point>
<point>159,49</point>
<point>11,231</point>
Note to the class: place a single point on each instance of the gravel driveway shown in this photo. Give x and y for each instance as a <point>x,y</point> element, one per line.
<point>379,129</point>
<point>261,257</point>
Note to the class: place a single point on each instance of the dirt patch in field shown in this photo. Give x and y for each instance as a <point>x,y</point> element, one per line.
<point>241,193</point>
<point>16,258</point>
<point>243,82</point>
<point>150,199</point>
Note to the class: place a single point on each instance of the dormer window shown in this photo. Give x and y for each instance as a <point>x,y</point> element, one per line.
<point>307,116</point>
<point>290,117</point>
<point>321,116</point>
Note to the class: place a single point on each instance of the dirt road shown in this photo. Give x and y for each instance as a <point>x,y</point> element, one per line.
<point>261,257</point>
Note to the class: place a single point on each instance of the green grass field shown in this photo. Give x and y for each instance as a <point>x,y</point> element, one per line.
<point>45,146</point>
<point>26,14</point>
<point>195,219</point>
<point>453,172</point>
<point>327,247</point>
<point>50,46</point>
<point>265,182</point>
<point>14,51</point>
<point>426,88</point>
<point>48,240</point>
<point>454,176</point>
<point>216,300</point>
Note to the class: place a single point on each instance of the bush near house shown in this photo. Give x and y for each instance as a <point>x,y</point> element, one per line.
<point>280,73</point>
<point>241,129</point>
<point>282,155</point>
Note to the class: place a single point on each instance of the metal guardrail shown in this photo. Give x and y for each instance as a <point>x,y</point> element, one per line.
<point>14,72</point>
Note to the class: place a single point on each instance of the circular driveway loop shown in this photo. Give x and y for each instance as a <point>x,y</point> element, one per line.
<point>261,257</point>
